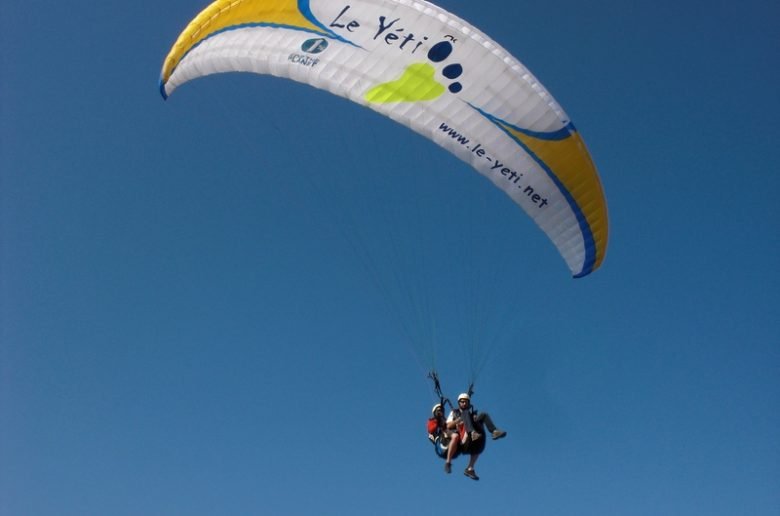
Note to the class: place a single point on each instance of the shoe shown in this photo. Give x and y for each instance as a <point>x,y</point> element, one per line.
<point>475,436</point>
<point>447,468</point>
<point>471,473</point>
<point>498,434</point>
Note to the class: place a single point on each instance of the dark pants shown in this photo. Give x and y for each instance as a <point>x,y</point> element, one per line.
<point>484,418</point>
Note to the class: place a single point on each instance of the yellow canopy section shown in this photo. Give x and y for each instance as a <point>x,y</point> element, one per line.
<point>223,14</point>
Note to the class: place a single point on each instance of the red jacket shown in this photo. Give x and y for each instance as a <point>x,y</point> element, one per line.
<point>436,425</point>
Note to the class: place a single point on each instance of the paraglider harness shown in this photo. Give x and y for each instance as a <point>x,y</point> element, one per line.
<point>441,437</point>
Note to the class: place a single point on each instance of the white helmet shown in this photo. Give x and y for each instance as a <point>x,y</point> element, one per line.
<point>464,396</point>
<point>435,408</point>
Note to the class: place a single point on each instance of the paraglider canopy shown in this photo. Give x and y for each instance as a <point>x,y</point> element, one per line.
<point>432,72</point>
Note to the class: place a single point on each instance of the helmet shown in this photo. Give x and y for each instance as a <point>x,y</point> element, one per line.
<point>464,396</point>
<point>435,408</point>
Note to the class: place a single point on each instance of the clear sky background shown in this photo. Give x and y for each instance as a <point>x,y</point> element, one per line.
<point>185,329</point>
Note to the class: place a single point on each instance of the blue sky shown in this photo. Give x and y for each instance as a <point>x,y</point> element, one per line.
<point>184,329</point>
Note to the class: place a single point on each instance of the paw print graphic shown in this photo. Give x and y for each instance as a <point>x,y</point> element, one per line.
<point>440,52</point>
